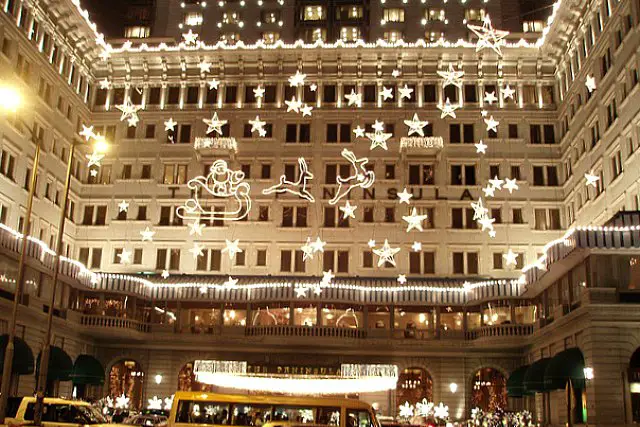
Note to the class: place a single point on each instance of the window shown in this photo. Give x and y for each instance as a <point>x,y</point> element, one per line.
<point>96,257</point>
<point>547,219</point>
<point>174,174</point>
<point>393,15</point>
<point>150,132</point>
<point>101,215</point>
<point>434,14</point>
<point>145,172</point>
<point>142,213</point>
<point>294,216</point>
<point>390,171</point>
<point>421,175</point>
<point>429,93</point>
<point>261,257</point>
<point>263,213</point>
<point>595,134</point>
<point>368,214</point>
<point>515,173</point>
<point>292,259</point>
<point>193,19</point>
<point>545,176</point>
<point>530,95</point>
<point>137,32</point>
<point>535,134</point>
<point>462,218</point>
<point>549,134</point>
<point>333,217</point>
<point>616,164</point>
<point>612,112</point>
<point>497,261</point>
<point>338,133</point>
<point>8,165</point>
<point>337,261</point>
<point>470,93</point>
<point>172,256</point>
<point>422,262</point>
<point>389,215</point>
<point>463,175</point>
<point>606,62</point>
<point>513,131</point>
<point>269,16</point>
<point>474,15</point>
<point>367,259</point>
<point>350,34</point>
<point>459,264</point>
<point>300,133</point>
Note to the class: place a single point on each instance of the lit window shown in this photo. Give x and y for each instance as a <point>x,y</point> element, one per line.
<point>193,19</point>
<point>350,34</point>
<point>270,37</point>
<point>392,36</point>
<point>230,38</point>
<point>532,26</point>
<point>270,16</point>
<point>394,15</point>
<point>230,18</point>
<point>474,15</point>
<point>434,14</point>
<point>349,12</point>
<point>137,32</point>
<point>314,13</point>
<point>314,34</point>
<point>433,36</point>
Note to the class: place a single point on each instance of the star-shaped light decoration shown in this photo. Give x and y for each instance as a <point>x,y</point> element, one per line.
<point>318,245</point>
<point>486,223</point>
<point>205,67</point>
<point>386,254</point>
<point>128,110</point>
<point>489,191</point>
<point>395,73</point>
<point>416,125</point>
<point>231,282</point>
<point>168,403</point>
<point>214,124</point>
<point>590,83</point>
<point>297,79</point>
<point>441,411</point>
<point>317,290</point>
<point>451,77</point>
<point>105,84</point>
<point>481,147</point>
<point>190,37</point>
<point>195,228</point>
<point>414,220</point>
<point>492,124</point>
<point>306,110</point>
<point>447,109</point>
<point>94,159</point>
<point>479,211</point>
<point>313,87</point>
<point>147,235</point>
<point>511,258</point>
<point>213,84</point>
<point>405,411</point>
<point>93,173</point>
<point>387,93</point>
<point>257,125</point>
<point>133,121</point>
<point>232,248</point>
<point>371,243</point>
<point>258,92</point>
<point>203,289</point>
<point>327,277</point>
<point>488,36</point>
<point>301,291</point>
<point>123,206</point>
<point>348,210</point>
<point>122,402</point>
<point>170,125</point>
<point>125,256</point>
<point>402,279</point>
<point>87,132</point>
<point>378,137</point>
<point>496,183</point>
<point>511,185</point>
<point>405,196</point>
<point>293,105</point>
<point>508,92</point>
<point>307,250</point>
<point>490,97</point>
<point>359,132</point>
<point>354,98</point>
<point>592,179</point>
<point>417,246</point>
<point>196,250</point>
<point>165,274</point>
<point>155,403</point>
<point>405,92</point>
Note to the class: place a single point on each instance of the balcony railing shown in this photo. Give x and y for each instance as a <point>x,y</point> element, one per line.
<point>97,321</point>
<point>305,331</point>
<point>500,331</point>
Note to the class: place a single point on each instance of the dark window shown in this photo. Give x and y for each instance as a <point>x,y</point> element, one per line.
<point>309,96</point>
<point>369,93</point>
<point>146,172</point>
<point>285,260</point>
<point>468,134</point>
<point>329,216</point>
<point>458,263</point>
<point>265,171</point>
<point>249,95</point>
<point>552,176</point>
<point>305,133</point>
<point>451,93</point>
<point>290,92</point>
<point>549,134</point>
<point>538,175</point>
<point>174,95</point>
<point>230,94</point>
<point>513,131</point>
<point>470,93</point>
<point>212,96</point>
<point>389,171</point>
<point>192,94</point>
<point>154,96</point>
<point>291,133</point>
<point>287,216</point>
<point>429,93</point>
<point>454,134</point>
<point>269,94</point>
<point>329,94</point>
<point>456,218</point>
<point>535,134</point>
<point>150,132</point>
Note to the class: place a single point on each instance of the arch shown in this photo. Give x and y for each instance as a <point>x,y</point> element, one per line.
<point>187,380</point>
<point>126,377</point>
<point>414,385</point>
<point>488,389</point>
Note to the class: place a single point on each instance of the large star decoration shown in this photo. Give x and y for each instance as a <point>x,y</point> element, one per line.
<point>387,93</point>
<point>490,97</point>
<point>125,256</point>
<point>590,83</point>
<point>405,196</point>
<point>488,37</point>
<point>378,137</point>
<point>258,125</point>
<point>307,250</point>
<point>297,79</point>
<point>451,77</point>
<point>205,67</point>
<point>258,92</point>
<point>293,105</point>
<point>213,84</point>
<point>318,245</point>
<point>591,179</point>
<point>214,124</point>
<point>508,92</point>
<point>416,125</point>
<point>479,211</point>
<point>197,251</point>
<point>511,185</point>
<point>481,147</point>
<point>232,248</point>
<point>170,125</point>
<point>511,258</point>
<point>405,92</point>
<point>354,98</point>
<point>492,124</point>
<point>386,254</point>
<point>123,206</point>
<point>147,235</point>
<point>129,111</point>
<point>196,228</point>
<point>447,109</point>
<point>348,210</point>
<point>414,221</point>
<point>190,37</point>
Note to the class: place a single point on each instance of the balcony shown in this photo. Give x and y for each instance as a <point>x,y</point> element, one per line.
<point>305,331</point>
<point>114,326</point>
<point>499,331</point>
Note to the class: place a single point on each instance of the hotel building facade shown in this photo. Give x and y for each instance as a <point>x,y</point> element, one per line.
<point>504,335</point>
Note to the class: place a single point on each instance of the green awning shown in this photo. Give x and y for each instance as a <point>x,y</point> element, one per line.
<point>60,365</point>
<point>515,383</point>
<point>534,376</point>
<point>87,370</point>
<point>564,366</point>
<point>23,363</point>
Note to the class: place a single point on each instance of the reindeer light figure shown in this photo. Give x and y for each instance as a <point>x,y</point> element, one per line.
<point>360,178</point>
<point>298,188</point>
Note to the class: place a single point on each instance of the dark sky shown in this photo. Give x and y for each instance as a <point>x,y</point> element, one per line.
<point>107,14</point>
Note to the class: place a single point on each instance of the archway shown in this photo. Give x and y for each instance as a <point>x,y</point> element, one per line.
<point>414,385</point>
<point>187,380</point>
<point>126,377</point>
<point>634,385</point>
<point>489,390</point>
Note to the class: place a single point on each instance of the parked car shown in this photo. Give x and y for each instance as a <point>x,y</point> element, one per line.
<point>149,420</point>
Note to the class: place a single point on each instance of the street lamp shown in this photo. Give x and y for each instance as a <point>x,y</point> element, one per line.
<point>100,146</point>
<point>10,101</point>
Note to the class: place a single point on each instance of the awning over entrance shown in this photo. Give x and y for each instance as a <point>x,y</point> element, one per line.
<point>60,365</point>
<point>534,376</point>
<point>564,366</point>
<point>87,370</point>
<point>23,363</point>
<point>515,383</point>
